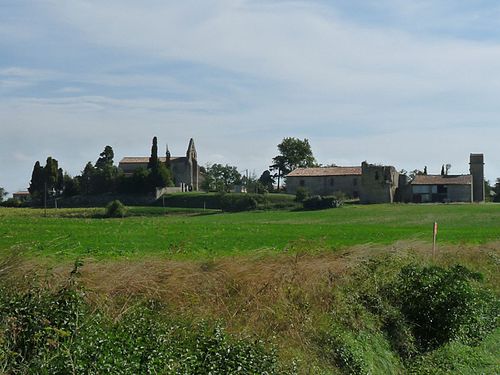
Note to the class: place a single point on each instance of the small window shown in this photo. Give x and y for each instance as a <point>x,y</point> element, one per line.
<point>354,182</point>
<point>331,181</point>
<point>302,183</point>
<point>376,175</point>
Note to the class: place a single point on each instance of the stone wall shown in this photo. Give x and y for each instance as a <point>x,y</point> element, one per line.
<point>378,183</point>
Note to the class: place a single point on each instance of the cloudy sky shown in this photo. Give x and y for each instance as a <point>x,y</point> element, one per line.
<point>407,83</point>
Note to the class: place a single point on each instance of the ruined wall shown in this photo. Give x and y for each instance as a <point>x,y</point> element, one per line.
<point>325,185</point>
<point>378,183</point>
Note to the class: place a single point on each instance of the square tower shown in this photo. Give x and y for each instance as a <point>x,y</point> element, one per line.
<point>477,172</point>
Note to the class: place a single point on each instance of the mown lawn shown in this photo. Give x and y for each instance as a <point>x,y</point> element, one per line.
<point>190,234</point>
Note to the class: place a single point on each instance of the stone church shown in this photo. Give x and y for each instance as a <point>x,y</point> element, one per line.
<point>185,169</point>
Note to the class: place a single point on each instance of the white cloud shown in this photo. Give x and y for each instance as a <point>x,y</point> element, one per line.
<point>357,91</point>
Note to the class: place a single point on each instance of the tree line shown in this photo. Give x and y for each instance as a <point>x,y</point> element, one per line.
<point>101,177</point>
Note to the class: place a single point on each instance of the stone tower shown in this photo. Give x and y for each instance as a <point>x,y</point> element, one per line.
<point>477,172</point>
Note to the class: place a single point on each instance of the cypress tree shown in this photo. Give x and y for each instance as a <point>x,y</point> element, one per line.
<point>37,184</point>
<point>442,171</point>
<point>51,173</point>
<point>153,160</point>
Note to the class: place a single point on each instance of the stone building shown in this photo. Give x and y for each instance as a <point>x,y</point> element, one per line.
<point>373,183</point>
<point>451,188</point>
<point>441,188</point>
<point>325,180</point>
<point>185,169</point>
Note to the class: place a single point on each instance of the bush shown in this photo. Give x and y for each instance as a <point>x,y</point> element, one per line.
<point>344,351</point>
<point>116,209</point>
<point>301,194</point>
<point>238,202</point>
<point>442,305</point>
<point>58,333</point>
<point>317,202</point>
<point>11,202</point>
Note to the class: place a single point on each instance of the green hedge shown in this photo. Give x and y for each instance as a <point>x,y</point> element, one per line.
<point>229,202</point>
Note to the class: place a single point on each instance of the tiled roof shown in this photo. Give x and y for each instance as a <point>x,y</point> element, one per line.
<point>143,159</point>
<point>325,171</point>
<point>21,193</point>
<point>465,179</point>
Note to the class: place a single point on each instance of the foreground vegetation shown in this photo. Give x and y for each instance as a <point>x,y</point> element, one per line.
<point>205,234</point>
<point>356,312</point>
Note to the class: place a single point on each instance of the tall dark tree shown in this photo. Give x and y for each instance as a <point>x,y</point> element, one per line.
<point>168,160</point>
<point>267,180</point>
<point>294,153</point>
<point>442,170</point>
<point>86,179</point>
<point>104,178</point>
<point>153,159</point>
<point>105,159</point>
<point>71,185</point>
<point>51,173</point>
<point>37,183</point>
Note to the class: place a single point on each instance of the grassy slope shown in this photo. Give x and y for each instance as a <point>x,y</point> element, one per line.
<point>69,233</point>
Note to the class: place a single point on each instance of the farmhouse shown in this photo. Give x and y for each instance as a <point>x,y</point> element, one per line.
<point>441,188</point>
<point>185,169</point>
<point>451,188</point>
<point>373,183</point>
<point>21,196</point>
<point>325,180</point>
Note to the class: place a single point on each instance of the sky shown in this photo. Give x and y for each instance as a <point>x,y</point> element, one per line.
<point>404,83</point>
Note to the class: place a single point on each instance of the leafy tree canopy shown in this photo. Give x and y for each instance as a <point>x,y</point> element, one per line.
<point>221,178</point>
<point>293,153</point>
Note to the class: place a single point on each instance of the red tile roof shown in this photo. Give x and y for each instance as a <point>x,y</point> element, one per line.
<point>442,180</point>
<point>325,171</point>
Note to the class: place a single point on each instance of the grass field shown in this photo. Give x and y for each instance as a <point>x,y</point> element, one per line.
<point>315,285</point>
<point>191,234</point>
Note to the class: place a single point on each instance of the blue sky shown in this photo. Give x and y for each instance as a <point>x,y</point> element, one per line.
<point>407,83</point>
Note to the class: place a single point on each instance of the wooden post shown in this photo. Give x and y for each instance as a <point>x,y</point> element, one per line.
<point>434,239</point>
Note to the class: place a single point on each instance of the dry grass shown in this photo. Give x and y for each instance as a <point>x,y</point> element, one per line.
<point>270,296</point>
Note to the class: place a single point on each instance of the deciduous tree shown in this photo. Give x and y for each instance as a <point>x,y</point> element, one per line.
<point>221,178</point>
<point>293,153</point>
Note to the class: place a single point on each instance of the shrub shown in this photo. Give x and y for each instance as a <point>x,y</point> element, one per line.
<point>238,202</point>
<point>116,209</point>
<point>301,194</point>
<point>11,202</point>
<point>442,305</point>
<point>317,202</point>
<point>58,333</point>
<point>344,351</point>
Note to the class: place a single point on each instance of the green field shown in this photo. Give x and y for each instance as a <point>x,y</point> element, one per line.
<point>191,234</point>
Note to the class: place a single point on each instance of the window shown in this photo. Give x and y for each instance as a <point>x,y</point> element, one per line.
<point>302,183</point>
<point>354,181</point>
<point>376,175</point>
<point>331,181</point>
